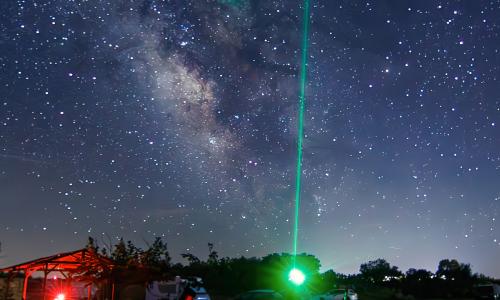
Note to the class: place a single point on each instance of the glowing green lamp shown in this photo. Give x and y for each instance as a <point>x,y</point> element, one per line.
<point>296,276</point>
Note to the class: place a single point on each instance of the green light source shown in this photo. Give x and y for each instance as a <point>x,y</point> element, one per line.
<point>296,276</point>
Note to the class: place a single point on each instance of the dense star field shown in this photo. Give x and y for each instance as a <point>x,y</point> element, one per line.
<point>145,118</point>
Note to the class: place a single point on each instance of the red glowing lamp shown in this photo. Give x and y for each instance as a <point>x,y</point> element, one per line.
<point>60,296</point>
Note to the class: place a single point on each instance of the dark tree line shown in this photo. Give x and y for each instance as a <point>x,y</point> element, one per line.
<point>224,276</point>
<point>230,276</point>
<point>452,279</point>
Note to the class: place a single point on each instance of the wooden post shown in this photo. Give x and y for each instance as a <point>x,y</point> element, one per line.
<point>69,286</point>
<point>113,291</point>
<point>25,284</point>
<point>7,286</point>
<point>44,285</point>
<point>89,292</point>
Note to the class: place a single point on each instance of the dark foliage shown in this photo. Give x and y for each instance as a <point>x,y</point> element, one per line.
<point>230,276</point>
<point>379,271</point>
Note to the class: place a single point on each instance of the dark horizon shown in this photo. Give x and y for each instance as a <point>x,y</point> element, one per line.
<point>177,258</point>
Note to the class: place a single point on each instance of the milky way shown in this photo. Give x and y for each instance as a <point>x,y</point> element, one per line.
<point>178,119</point>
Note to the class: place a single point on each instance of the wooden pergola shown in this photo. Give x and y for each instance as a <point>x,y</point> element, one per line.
<point>85,265</point>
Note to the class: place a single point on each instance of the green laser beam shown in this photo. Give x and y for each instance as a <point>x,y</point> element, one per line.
<point>300,133</point>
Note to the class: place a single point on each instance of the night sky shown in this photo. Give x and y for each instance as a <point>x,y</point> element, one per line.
<point>145,118</point>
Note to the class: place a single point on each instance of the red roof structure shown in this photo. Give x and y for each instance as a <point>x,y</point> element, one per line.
<point>84,264</point>
<point>63,262</point>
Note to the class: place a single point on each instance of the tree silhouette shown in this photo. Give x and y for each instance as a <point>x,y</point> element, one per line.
<point>155,256</point>
<point>378,271</point>
<point>418,283</point>
<point>418,275</point>
<point>120,254</point>
<point>453,270</point>
<point>457,277</point>
<point>213,256</point>
<point>191,258</point>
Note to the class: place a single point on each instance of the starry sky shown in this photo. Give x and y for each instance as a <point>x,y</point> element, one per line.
<point>171,118</point>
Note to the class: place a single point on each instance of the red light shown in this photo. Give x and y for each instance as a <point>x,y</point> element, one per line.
<point>60,297</point>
